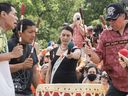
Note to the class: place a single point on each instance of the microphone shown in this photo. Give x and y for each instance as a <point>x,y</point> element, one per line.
<point>70,46</point>
<point>123,57</point>
<point>123,54</point>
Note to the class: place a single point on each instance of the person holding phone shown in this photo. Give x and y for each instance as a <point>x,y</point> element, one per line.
<point>79,30</point>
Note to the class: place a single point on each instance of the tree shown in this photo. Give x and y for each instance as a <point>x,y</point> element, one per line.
<point>53,13</point>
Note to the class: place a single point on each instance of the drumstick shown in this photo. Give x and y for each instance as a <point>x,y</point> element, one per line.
<point>22,17</point>
<point>86,39</point>
<point>103,21</point>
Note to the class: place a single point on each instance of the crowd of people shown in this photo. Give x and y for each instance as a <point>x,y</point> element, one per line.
<point>81,56</point>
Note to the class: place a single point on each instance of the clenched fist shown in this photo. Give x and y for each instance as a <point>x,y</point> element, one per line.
<point>27,64</point>
<point>17,51</point>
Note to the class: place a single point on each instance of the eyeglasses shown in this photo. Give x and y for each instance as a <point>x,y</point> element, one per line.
<point>112,19</point>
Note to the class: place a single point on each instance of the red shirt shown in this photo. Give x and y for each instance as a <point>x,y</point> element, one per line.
<point>78,37</point>
<point>110,43</point>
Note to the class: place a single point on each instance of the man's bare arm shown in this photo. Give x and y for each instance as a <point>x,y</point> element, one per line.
<point>92,54</point>
<point>27,64</point>
<point>48,74</point>
<point>16,52</point>
<point>35,77</point>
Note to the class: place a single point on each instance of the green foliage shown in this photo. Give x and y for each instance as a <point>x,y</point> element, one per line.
<point>95,8</point>
<point>53,13</point>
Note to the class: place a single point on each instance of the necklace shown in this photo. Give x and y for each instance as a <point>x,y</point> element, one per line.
<point>63,49</point>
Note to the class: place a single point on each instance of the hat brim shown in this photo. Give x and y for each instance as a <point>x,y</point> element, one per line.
<point>113,17</point>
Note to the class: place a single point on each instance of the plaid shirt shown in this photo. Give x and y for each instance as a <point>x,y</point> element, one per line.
<point>110,43</point>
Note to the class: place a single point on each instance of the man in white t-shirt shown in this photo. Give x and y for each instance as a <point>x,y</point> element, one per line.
<point>8,21</point>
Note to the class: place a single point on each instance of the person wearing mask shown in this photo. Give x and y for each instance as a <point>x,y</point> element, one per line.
<point>92,75</point>
<point>110,42</point>
<point>8,21</point>
<point>63,61</point>
<point>24,69</point>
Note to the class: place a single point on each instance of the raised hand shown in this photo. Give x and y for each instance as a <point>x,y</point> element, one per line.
<point>87,49</point>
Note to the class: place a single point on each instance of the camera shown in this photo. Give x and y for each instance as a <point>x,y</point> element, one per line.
<point>78,18</point>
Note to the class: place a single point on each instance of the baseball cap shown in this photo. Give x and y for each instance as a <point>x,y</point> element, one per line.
<point>114,10</point>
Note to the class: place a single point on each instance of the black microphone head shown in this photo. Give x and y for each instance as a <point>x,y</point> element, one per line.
<point>70,45</point>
